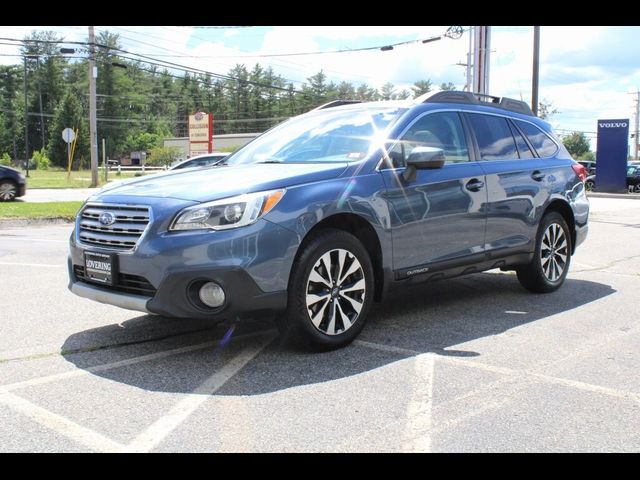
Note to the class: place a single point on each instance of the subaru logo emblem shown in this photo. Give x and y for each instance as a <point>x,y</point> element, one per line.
<point>107,218</point>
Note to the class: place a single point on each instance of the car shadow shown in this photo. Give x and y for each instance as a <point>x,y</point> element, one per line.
<point>174,355</point>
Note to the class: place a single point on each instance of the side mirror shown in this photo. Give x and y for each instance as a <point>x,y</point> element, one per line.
<point>423,158</point>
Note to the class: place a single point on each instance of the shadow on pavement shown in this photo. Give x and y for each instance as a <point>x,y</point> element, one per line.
<point>434,317</point>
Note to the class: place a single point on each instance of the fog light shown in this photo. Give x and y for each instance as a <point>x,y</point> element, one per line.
<point>211,294</point>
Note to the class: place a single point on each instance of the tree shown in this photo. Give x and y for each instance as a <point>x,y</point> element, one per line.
<point>387,92</point>
<point>577,143</point>
<point>546,109</point>
<point>68,115</point>
<point>421,87</point>
<point>447,86</point>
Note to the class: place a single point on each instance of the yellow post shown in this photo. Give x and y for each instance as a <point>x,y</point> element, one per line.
<point>73,150</point>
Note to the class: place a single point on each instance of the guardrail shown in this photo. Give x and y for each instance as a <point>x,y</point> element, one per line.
<point>131,168</point>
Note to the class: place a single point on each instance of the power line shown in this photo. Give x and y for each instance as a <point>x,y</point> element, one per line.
<point>203,27</point>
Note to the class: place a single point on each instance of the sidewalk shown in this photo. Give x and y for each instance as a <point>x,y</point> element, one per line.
<point>57,194</point>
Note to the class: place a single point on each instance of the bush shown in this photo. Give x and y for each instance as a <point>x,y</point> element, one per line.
<point>161,156</point>
<point>40,160</point>
<point>5,159</point>
<point>230,149</point>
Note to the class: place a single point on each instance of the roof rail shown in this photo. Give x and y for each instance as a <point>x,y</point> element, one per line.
<point>335,103</point>
<point>504,103</point>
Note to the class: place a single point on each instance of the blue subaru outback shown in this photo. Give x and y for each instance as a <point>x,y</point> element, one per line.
<point>328,211</point>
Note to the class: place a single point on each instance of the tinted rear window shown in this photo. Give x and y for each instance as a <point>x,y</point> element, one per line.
<point>540,140</point>
<point>494,137</point>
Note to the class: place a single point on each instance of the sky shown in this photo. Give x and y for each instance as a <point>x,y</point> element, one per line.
<point>586,73</point>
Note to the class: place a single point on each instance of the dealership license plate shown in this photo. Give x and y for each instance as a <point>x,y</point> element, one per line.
<point>99,267</point>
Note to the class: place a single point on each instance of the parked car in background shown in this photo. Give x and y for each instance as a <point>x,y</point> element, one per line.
<point>633,179</point>
<point>323,214</point>
<point>589,165</point>
<point>13,184</point>
<point>200,161</point>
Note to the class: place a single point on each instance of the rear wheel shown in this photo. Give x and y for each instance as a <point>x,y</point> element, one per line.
<point>589,185</point>
<point>330,292</point>
<point>8,190</point>
<point>548,269</point>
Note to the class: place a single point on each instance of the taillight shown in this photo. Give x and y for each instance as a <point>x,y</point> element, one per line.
<point>580,171</point>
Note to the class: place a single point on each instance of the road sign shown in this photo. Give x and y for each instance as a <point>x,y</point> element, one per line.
<point>68,135</point>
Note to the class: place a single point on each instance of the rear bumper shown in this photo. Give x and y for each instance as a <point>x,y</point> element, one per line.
<point>22,191</point>
<point>581,234</point>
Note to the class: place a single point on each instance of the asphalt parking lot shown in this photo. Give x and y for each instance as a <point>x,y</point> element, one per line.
<point>472,364</point>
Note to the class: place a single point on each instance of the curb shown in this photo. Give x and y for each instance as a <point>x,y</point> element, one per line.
<point>628,196</point>
<point>33,222</point>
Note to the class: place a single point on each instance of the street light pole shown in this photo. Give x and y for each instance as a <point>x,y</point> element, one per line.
<point>93,134</point>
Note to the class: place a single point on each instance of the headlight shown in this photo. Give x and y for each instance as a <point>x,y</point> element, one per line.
<point>227,213</point>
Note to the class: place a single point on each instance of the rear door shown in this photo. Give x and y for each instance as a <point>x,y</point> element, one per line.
<point>438,218</point>
<point>518,182</point>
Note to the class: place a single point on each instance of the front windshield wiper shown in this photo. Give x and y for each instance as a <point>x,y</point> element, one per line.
<point>270,161</point>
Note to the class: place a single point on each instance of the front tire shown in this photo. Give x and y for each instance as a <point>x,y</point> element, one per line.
<point>330,292</point>
<point>8,190</point>
<point>550,265</point>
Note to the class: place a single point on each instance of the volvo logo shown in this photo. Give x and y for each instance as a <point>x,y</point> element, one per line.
<point>612,125</point>
<point>107,218</point>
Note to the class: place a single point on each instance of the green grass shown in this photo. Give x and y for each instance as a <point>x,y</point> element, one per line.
<point>78,179</point>
<point>65,210</point>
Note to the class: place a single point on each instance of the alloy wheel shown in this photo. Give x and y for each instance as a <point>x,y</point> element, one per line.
<point>7,191</point>
<point>554,252</point>
<point>335,291</point>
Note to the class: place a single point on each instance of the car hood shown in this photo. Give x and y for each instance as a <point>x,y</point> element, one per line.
<point>205,184</point>
<point>9,169</point>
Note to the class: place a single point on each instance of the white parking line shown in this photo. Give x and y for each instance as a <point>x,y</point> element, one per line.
<point>418,420</point>
<point>26,239</point>
<point>509,371</point>
<point>61,425</point>
<point>160,429</point>
<point>121,363</point>
<point>17,264</point>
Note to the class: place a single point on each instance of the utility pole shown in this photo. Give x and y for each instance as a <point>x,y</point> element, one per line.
<point>93,134</point>
<point>26,117</point>
<point>634,135</point>
<point>481,63</point>
<point>536,70</point>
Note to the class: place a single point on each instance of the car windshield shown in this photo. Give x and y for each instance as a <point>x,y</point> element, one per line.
<point>343,135</point>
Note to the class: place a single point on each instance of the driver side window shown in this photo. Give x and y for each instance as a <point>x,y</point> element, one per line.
<point>440,130</point>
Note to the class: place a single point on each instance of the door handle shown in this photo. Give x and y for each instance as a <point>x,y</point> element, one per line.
<point>474,185</point>
<point>538,176</point>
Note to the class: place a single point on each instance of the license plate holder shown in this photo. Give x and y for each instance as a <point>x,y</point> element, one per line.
<point>100,267</point>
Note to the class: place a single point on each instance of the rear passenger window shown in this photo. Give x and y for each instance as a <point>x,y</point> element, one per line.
<point>540,140</point>
<point>523,148</point>
<point>494,137</point>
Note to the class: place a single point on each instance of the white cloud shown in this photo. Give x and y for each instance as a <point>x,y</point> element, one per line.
<point>586,72</point>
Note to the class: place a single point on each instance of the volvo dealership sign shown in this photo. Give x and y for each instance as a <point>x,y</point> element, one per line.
<point>611,156</point>
<point>200,133</point>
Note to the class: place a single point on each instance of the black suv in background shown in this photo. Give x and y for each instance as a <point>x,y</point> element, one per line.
<point>13,184</point>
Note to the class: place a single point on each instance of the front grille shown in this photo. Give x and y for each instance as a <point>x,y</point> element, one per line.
<point>125,283</point>
<point>122,234</point>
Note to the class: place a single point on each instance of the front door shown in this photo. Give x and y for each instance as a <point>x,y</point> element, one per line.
<point>440,216</point>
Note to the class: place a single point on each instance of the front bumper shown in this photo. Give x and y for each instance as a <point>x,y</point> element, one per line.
<point>252,265</point>
<point>243,296</point>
